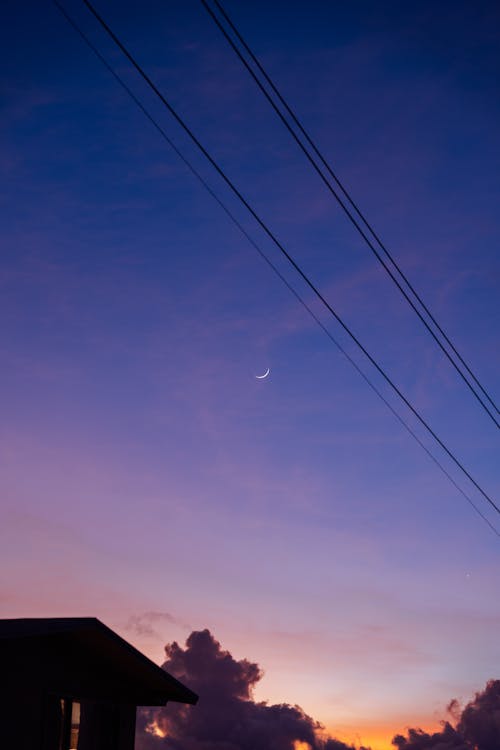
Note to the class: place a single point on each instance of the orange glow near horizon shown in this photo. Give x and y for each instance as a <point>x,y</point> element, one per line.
<point>378,736</point>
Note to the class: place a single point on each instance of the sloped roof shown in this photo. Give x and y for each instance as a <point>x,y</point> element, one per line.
<point>82,657</point>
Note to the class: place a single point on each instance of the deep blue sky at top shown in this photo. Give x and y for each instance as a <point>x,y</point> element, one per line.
<point>421,162</point>
<point>136,316</point>
<point>403,101</point>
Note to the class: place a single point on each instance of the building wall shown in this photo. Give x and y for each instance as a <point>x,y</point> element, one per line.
<point>21,721</point>
<point>36,722</point>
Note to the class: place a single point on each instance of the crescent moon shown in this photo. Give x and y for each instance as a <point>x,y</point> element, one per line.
<point>261,377</point>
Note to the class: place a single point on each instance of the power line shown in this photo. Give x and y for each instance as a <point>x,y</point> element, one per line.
<point>345,208</point>
<point>275,269</point>
<point>344,191</point>
<point>280,246</point>
<point>282,249</point>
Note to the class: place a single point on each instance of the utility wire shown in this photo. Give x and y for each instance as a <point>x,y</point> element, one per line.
<point>344,207</point>
<point>279,245</point>
<point>273,267</point>
<point>337,181</point>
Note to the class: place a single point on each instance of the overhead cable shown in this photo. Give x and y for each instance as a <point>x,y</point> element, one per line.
<point>367,227</point>
<point>272,266</point>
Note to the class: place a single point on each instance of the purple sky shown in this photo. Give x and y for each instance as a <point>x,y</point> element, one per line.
<point>147,477</point>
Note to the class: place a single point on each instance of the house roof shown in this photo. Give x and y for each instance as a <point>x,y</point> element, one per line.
<point>82,657</point>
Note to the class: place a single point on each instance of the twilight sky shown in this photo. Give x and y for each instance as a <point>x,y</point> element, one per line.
<point>147,477</point>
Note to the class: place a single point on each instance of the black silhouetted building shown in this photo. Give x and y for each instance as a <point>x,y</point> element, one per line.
<point>74,684</point>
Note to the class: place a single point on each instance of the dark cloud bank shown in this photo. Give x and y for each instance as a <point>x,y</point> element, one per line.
<point>227,717</point>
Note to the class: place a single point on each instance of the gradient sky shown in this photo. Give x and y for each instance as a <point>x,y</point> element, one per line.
<point>147,477</point>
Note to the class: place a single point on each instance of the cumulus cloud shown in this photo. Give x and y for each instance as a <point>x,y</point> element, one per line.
<point>480,720</point>
<point>226,717</point>
<point>417,739</point>
<point>477,726</point>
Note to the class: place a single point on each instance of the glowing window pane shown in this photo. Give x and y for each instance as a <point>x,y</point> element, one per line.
<point>75,725</point>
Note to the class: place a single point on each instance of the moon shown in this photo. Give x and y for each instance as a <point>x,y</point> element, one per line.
<point>261,377</point>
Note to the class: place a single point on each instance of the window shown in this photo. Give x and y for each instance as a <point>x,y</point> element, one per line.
<point>70,724</point>
<point>75,725</point>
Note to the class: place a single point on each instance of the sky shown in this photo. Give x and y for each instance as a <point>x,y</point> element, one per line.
<point>148,478</point>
